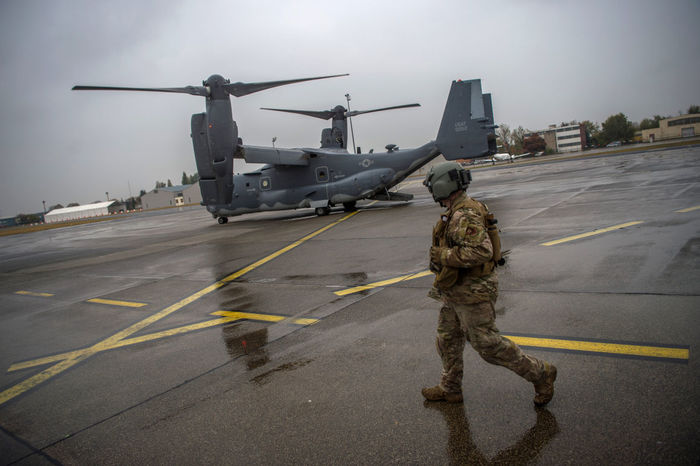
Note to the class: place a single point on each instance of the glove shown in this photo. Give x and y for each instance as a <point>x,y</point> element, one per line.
<point>436,255</point>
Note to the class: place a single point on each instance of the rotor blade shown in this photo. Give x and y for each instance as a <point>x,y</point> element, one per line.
<point>193,90</point>
<point>360,112</point>
<point>240,89</point>
<point>323,115</point>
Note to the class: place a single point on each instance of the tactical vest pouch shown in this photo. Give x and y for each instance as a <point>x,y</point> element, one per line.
<point>446,278</point>
<point>492,231</point>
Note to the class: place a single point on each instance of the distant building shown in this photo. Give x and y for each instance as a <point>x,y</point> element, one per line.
<point>570,138</point>
<point>684,126</point>
<point>98,209</point>
<point>172,196</point>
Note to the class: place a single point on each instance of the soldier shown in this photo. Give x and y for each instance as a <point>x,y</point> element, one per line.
<point>463,260</point>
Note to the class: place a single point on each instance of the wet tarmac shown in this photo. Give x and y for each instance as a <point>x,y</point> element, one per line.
<point>285,338</point>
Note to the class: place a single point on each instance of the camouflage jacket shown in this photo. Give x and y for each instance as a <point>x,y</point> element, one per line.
<point>462,255</point>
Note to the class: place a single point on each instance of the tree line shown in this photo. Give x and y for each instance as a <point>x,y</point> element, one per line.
<point>615,128</point>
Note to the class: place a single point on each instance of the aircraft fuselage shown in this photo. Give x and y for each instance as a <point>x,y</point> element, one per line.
<point>329,178</point>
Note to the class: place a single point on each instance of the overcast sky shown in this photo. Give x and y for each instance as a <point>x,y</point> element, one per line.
<point>543,61</point>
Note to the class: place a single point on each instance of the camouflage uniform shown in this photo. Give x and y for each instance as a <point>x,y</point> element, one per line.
<point>467,285</point>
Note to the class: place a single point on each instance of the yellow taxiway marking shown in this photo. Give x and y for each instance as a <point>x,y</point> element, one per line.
<point>649,351</point>
<point>599,347</point>
<point>33,293</point>
<point>225,317</point>
<point>390,281</point>
<point>109,342</point>
<point>115,302</point>
<point>689,209</point>
<point>590,233</point>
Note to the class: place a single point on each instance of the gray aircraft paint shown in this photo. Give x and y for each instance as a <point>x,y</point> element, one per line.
<point>318,178</point>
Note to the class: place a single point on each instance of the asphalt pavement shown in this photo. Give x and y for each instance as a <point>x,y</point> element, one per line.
<point>286,338</point>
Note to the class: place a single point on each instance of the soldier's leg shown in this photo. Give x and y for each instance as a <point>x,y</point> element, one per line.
<point>450,346</point>
<point>479,324</point>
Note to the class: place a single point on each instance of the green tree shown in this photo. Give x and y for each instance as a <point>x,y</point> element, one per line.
<point>592,132</point>
<point>132,203</point>
<point>26,219</point>
<point>694,109</point>
<point>617,128</point>
<point>192,179</point>
<point>534,143</point>
<point>160,184</point>
<point>170,183</point>
<point>648,123</point>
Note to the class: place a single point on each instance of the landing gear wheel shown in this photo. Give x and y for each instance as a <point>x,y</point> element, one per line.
<point>321,211</point>
<point>349,206</point>
<point>222,220</point>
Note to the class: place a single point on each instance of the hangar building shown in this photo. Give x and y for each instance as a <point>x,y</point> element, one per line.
<point>683,126</point>
<point>82,211</point>
<point>172,196</point>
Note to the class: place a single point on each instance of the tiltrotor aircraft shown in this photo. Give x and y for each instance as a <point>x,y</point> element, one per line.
<point>319,178</point>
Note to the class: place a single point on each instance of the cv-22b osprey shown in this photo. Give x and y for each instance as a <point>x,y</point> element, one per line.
<point>323,177</point>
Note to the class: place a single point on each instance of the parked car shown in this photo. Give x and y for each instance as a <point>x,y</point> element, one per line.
<point>614,144</point>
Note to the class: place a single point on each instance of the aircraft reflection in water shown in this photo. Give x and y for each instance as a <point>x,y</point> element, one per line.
<point>324,177</point>
<point>463,450</point>
<point>251,344</point>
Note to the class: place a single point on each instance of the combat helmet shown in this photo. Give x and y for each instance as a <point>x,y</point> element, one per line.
<point>445,178</point>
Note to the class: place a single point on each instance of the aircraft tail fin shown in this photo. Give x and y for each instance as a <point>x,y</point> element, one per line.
<point>467,129</point>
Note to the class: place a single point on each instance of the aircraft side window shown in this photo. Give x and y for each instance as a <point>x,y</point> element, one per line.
<point>265,183</point>
<point>322,174</point>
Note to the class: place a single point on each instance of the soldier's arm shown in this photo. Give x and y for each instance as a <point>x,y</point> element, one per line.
<point>472,245</point>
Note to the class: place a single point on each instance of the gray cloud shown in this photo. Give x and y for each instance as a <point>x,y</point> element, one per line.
<point>544,61</point>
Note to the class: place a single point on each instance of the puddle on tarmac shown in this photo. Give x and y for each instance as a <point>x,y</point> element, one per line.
<point>251,345</point>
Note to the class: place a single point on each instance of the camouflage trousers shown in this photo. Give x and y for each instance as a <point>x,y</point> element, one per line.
<point>476,323</point>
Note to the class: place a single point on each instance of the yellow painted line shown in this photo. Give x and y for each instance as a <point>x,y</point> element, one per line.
<point>590,233</point>
<point>598,347</point>
<point>689,209</point>
<point>34,293</point>
<point>226,317</point>
<point>390,281</point>
<point>235,315</point>
<point>275,255</point>
<point>113,302</point>
<point>109,342</point>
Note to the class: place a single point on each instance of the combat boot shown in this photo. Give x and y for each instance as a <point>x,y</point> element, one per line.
<point>544,388</point>
<point>436,393</point>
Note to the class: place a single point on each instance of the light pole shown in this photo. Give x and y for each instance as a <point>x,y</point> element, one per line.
<point>352,133</point>
<point>107,193</point>
<point>44,202</point>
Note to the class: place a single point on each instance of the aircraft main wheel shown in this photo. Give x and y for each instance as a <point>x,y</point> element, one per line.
<point>321,211</point>
<point>349,206</point>
<point>222,220</point>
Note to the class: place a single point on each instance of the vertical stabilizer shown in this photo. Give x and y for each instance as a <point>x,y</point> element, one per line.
<point>467,123</point>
